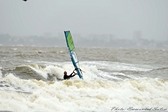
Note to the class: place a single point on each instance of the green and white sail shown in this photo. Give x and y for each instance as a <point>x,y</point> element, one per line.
<point>71,48</point>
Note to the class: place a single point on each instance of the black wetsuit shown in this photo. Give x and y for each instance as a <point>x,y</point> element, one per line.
<point>69,76</point>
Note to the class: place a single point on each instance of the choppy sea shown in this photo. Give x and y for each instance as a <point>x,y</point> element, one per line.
<point>115,79</point>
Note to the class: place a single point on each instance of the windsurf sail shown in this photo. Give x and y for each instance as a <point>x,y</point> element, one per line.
<point>71,48</point>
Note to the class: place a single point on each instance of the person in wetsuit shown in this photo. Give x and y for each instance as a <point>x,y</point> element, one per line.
<point>69,76</point>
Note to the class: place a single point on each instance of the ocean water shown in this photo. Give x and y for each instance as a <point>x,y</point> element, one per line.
<point>115,80</point>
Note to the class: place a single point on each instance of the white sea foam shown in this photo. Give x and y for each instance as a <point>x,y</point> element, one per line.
<point>39,70</point>
<point>56,70</point>
<point>90,70</point>
<point>17,84</point>
<point>91,94</point>
<point>81,95</point>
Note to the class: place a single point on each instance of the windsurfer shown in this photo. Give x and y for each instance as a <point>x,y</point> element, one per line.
<point>69,76</point>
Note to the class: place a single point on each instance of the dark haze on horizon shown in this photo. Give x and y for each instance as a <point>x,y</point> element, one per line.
<point>128,19</point>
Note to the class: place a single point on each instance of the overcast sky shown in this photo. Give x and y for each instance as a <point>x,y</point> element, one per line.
<point>118,17</point>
